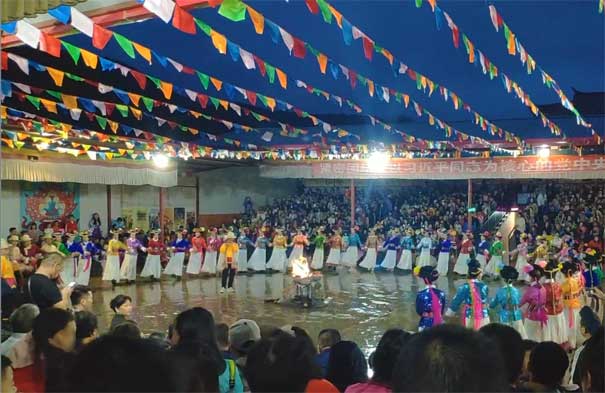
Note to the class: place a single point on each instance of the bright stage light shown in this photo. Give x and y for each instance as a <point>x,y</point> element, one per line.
<point>160,160</point>
<point>544,152</point>
<point>377,161</point>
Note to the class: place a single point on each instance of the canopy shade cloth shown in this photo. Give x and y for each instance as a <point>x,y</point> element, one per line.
<point>19,9</point>
<point>47,169</point>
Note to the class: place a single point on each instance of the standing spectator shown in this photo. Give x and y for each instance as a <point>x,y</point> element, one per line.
<point>42,285</point>
<point>510,344</point>
<point>122,307</point>
<point>547,365</point>
<point>86,328</point>
<point>347,365</point>
<point>589,327</point>
<point>325,340</point>
<point>592,365</point>
<point>222,339</point>
<point>81,298</point>
<point>243,334</point>
<point>8,384</point>
<point>19,346</point>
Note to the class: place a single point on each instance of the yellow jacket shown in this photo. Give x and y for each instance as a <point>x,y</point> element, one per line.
<point>571,289</point>
<point>114,246</point>
<point>228,255</point>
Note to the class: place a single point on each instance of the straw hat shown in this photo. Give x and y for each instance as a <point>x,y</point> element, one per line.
<point>26,238</point>
<point>47,235</point>
<point>13,238</point>
<point>230,235</point>
<point>196,230</point>
<point>84,233</point>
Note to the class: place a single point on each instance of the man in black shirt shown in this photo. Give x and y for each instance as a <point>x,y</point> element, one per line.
<point>42,287</point>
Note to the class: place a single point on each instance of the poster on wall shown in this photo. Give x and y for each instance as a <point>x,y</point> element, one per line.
<point>168,218</point>
<point>46,203</point>
<point>179,217</point>
<point>154,218</point>
<point>128,217</point>
<point>191,220</point>
<point>141,218</point>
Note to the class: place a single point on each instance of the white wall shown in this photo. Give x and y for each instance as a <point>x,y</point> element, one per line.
<point>10,206</point>
<point>222,191</point>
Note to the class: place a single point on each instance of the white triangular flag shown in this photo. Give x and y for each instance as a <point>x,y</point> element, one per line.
<point>27,33</point>
<point>178,66</point>
<point>92,155</point>
<point>104,88</point>
<point>191,94</point>
<point>101,106</point>
<point>75,113</point>
<point>21,62</point>
<point>236,108</point>
<point>162,8</point>
<point>22,87</point>
<point>81,22</point>
<point>357,33</point>
<point>172,108</point>
<point>247,59</point>
<point>288,40</point>
<point>267,136</point>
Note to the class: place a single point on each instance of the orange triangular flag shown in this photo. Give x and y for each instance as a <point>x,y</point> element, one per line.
<point>257,19</point>
<point>137,113</point>
<point>57,75</point>
<point>219,41</point>
<point>71,102</point>
<point>224,104</point>
<point>271,103</point>
<point>90,59</point>
<point>283,79</point>
<point>50,106</point>
<point>143,51</point>
<point>66,127</point>
<point>323,62</point>
<point>337,15</point>
<point>371,88</point>
<point>109,155</point>
<point>134,98</point>
<point>511,44</point>
<point>166,89</point>
<point>113,125</point>
<point>217,83</point>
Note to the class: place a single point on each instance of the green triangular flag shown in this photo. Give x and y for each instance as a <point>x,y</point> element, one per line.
<point>74,77</point>
<point>418,83</point>
<point>214,102</point>
<point>53,93</point>
<point>234,10</point>
<point>270,72</point>
<point>148,103</point>
<point>204,79</point>
<point>263,99</point>
<point>204,27</point>
<point>102,121</point>
<point>73,51</point>
<point>156,81</point>
<point>313,51</point>
<point>418,3</point>
<point>34,100</point>
<point>123,109</point>
<point>182,127</point>
<point>325,11</point>
<point>125,44</point>
<point>257,116</point>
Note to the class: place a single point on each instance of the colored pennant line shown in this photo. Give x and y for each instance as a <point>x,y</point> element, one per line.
<point>382,93</point>
<point>101,36</point>
<point>507,83</point>
<point>432,120</point>
<point>514,46</point>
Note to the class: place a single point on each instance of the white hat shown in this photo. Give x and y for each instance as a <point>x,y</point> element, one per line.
<point>3,243</point>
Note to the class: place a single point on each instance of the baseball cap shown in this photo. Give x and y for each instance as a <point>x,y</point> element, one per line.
<point>243,333</point>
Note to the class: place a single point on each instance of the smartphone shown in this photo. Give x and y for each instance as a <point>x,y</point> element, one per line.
<point>71,284</point>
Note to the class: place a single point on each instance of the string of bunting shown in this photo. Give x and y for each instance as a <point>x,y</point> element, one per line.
<point>601,6</point>
<point>514,46</point>
<point>53,46</point>
<point>223,45</point>
<point>488,67</point>
<point>236,10</point>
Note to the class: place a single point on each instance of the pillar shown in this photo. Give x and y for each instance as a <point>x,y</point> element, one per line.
<point>197,201</point>
<point>161,213</point>
<point>470,204</point>
<point>108,187</point>
<point>352,192</point>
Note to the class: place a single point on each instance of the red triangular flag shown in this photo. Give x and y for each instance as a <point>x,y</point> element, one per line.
<point>109,107</point>
<point>251,96</point>
<point>411,73</point>
<point>312,6</point>
<point>171,124</point>
<point>100,36</point>
<point>299,49</point>
<point>4,60</point>
<point>214,3</point>
<point>140,78</point>
<point>368,47</point>
<point>50,44</point>
<point>353,78</point>
<point>183,20</point>
<point>188,70</point>
<point>260,64</point>
<point>456,36</point>
<point>203,99</point>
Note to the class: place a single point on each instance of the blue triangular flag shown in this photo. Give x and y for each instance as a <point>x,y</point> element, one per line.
<point>107,65</point>
<point>334,69</point>
<point>233,50</point>
<point>87,104</point>
<point>179,90</point>
<point>229,90</point>
<point>275,34</point>
<point>7,89</point>
<point>347,31</point>
<point>127,129</point>
<point>37,66</point>
<point>10,27</point>
<point>159,58</point>
<point>438,17</point>
<point>62,13</point>
<point>122,95</point>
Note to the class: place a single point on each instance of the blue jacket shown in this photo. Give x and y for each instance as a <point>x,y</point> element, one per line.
<point>463,297</point>
<point>508,298</point>
<point>424,306</point>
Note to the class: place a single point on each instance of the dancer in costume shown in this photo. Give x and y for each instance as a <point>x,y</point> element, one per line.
<point>571,289</point>
<point>94,226</point>
<point>299,241</point>
<point>445,247</point>
<point>483,249</point>
<point>153,264</point>
<point>210,258</point>
<point>58,242</point>
<point>112,264</point>
<point>76,252</point>
<point>128,271</point>
<point>424,245</point>
<point>278,259</point>
<point>369,260</point>
<point>522,258</point>
<point>472,297</point>
<point>243,241</point>
<point>196,252</point>
<point>318,254</point>
<point>91,251</point>
<point>48,246</point>
<point>496,252</point>
<point>556,327</point>
<point>30,251</point>
<point>593,277</point>
<point>335,244</point>
<point>430,301</point>
<point>227,262</point>
<point>535,299</point>
<point>541,251</point>
<point>391,245</point>
<point>509,300</point>
<point>258,260</point>
<point>407,245</point>
<point>179,247</point>
<point>351,254</point>
<point>461,266</point>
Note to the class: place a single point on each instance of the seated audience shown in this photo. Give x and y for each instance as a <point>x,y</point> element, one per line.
<point>347,365</point>
<point>86,328</point>
<point>547,365</point>
<point>18,347</point>
<point>122,307</point>
<point>325,340</point>
<point>127,329</point>
<point>42,286</point>
<point>81,298</point>
<point>528,346</point>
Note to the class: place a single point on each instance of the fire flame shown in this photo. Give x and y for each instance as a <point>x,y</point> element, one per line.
<point>300,268</point>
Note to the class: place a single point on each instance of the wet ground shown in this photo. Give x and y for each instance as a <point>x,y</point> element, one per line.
<point>361,305</point>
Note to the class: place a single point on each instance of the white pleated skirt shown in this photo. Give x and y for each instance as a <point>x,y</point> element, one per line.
<point>519,327</point>
<point>536,331</point>
<point>318,259</point>
<point>112,268</point>
<point>128,271</point>
<point>194,266</point>
<point>557,328</point>
<point>461,266</point>
<point>443,263</point>
<point>481,259</point>
<point>389,261</point>
<point>424,259</point>
<point>493,266</point>
<point>572,322</point>
<point>258,260</point>
<point>470,323</point>
<point>297,252</point>
<point>369,261</point>
<point>83,275</point>
<point>175,264</point>
<point>350,257</point>
<point>405,260</point>
<point>521,263</point>
<point>209,265</point>
<point>68,274</point>
<point>333,257</point>
<point>278,260</point>
<point>242,260</point>
<point>153,267</point>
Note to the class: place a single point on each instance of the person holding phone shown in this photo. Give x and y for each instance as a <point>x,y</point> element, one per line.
<point>42,286</point>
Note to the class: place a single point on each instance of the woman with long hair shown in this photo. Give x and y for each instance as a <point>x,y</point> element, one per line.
<point>508,299</point>
<point>535,299</point>
<point>430,301</point>
<point>94,226</point>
